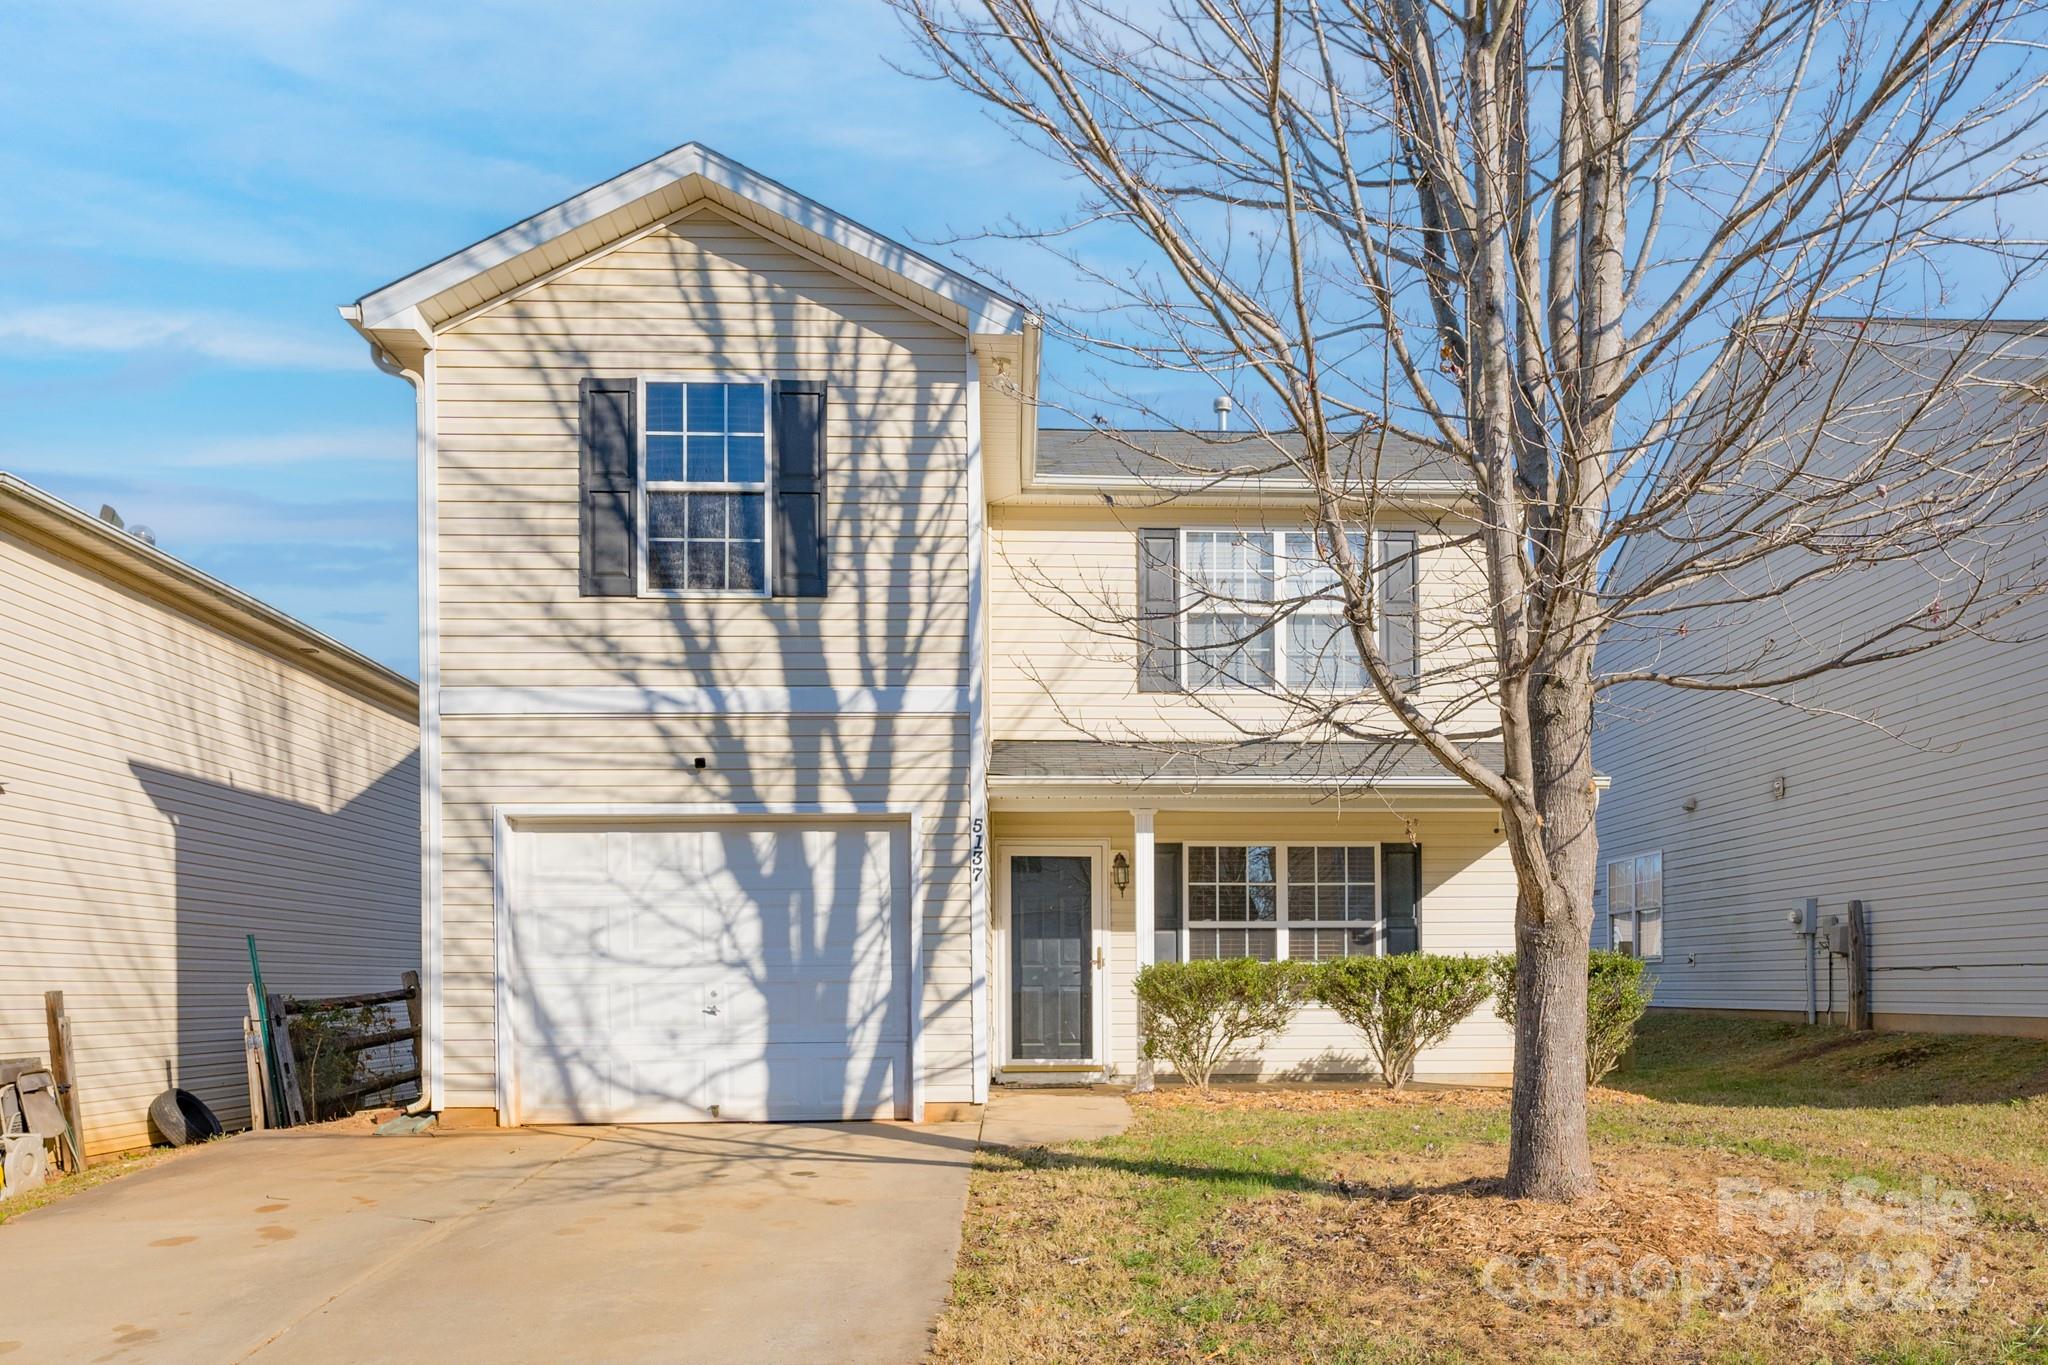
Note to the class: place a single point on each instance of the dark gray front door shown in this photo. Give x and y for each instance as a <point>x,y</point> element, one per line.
<point>1051,1000</point>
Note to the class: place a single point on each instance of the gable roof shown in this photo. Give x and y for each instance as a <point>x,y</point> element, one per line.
<point>653,192</point>
<point>114,554</point>
<point>1123,456</point>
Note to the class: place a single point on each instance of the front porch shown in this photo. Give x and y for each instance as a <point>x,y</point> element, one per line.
<point>1097,874</point>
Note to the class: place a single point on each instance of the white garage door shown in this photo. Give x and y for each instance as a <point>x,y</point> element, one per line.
<point>667,975</point>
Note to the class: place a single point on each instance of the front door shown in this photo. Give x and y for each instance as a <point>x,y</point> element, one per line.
<point>1052,902</point>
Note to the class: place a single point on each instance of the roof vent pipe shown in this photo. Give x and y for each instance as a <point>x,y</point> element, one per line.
<point>1222,406</point>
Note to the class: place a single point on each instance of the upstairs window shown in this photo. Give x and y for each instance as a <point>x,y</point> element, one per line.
<point>1635,905</point>
<point>1262,609</point>
<point>704,477</point>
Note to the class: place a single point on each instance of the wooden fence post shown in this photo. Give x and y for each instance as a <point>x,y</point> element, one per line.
<point>64,1069</point>
<point>265,1101</point>
<point>287,1064</point>
<point>1859,969</point>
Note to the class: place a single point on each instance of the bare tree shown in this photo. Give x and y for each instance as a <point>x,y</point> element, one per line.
<point>1636,272</point>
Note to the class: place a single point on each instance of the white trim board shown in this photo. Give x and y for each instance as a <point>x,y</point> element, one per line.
<point>986,310</point>
<point>705,701</point>
<point>1101,941</point>
<point>507,819</point>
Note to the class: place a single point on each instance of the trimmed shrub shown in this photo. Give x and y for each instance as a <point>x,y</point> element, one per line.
<point>1403,1003</point>
<point>1195,1015</point>
<point>1616,996</point>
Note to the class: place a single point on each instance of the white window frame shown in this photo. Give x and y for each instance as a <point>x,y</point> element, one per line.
<point>1279,563</point>
<point>644,487</point>
<point>1635,909</point>
<point>1280,924</point>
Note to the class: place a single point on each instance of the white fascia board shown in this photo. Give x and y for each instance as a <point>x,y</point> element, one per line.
<point>986,310</point>
<point>1063,794</point>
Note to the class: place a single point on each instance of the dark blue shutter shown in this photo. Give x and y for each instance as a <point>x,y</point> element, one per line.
<point>1166,883</point>
<point>607,517</point>
<point>1399,605</point>
<point>800,511</point>
<point>1158,610</point>
<point>1401,896</point>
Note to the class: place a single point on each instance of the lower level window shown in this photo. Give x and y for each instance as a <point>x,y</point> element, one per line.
<point>1237,904</point>
<point>1233,906</point>
<point>1332,902</point>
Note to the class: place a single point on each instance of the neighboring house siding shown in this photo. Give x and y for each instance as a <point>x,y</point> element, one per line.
<point>1063,585</point>
<point>701,297</point>
<point>170,788</point>
<point>1915,786</point>
<point>1934,821</point>
<point>1468,899</point>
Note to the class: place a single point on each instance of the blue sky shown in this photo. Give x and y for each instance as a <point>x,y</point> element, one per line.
<point>192,188</point>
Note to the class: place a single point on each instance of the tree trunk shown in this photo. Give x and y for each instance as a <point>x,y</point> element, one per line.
<point>1549,1154</point>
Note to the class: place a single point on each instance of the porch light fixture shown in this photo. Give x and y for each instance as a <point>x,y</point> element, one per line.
<point>1120,872</point>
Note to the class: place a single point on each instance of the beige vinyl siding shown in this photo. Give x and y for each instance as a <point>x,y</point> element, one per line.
<point>170,788</point>
<point>1914,785</point>
<point>1468,904</point>
<point>1062,665</point>
<point>703,296</point>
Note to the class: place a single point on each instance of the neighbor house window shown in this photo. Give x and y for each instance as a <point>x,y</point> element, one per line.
<point>704,468</point>
<point>1326,906</point>
<point>1635,905</point>
<point>1264,609</point>
<point>1233,903</point>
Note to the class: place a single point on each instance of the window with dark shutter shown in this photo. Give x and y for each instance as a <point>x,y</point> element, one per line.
<point>606,518</point>
<point>801,560</point>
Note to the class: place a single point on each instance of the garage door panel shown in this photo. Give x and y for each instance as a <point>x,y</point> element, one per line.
<point>675,974</point>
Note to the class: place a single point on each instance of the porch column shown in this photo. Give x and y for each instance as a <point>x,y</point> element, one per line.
<point>1141,921</point>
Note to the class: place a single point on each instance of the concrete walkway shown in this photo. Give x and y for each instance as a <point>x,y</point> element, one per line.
<point>1028,1116</point>
<point>768,1242</point>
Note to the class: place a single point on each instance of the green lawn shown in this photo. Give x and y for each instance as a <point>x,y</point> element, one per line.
<point>1353,1226</point>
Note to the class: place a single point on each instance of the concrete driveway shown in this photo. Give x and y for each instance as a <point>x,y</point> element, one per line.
<point>770,1242</point>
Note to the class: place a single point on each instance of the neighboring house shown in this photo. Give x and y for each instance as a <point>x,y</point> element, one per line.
<point>759,781</point>
<point>180,766</point>
<point>1915,786</point>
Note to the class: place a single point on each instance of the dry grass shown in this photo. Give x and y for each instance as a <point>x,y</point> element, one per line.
<point>1355,1226</point>
<point>64,1186</point>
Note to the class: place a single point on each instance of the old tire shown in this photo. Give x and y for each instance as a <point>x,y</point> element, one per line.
<point>181,1117</point>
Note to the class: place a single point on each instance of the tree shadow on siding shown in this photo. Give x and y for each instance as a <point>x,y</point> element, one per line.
<point>895,617</point>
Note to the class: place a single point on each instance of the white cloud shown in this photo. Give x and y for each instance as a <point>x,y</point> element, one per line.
<point>239,341</point>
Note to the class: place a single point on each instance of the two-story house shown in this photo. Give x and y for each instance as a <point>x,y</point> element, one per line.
<point>763,776</point>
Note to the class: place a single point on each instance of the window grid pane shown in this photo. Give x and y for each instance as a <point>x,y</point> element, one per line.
<point>1233,884</point>
<point>706,542</point>
<point>1331,885</point>
<point>706,433</point>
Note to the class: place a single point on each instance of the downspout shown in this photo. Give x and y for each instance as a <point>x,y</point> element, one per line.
<point>428,472</point>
